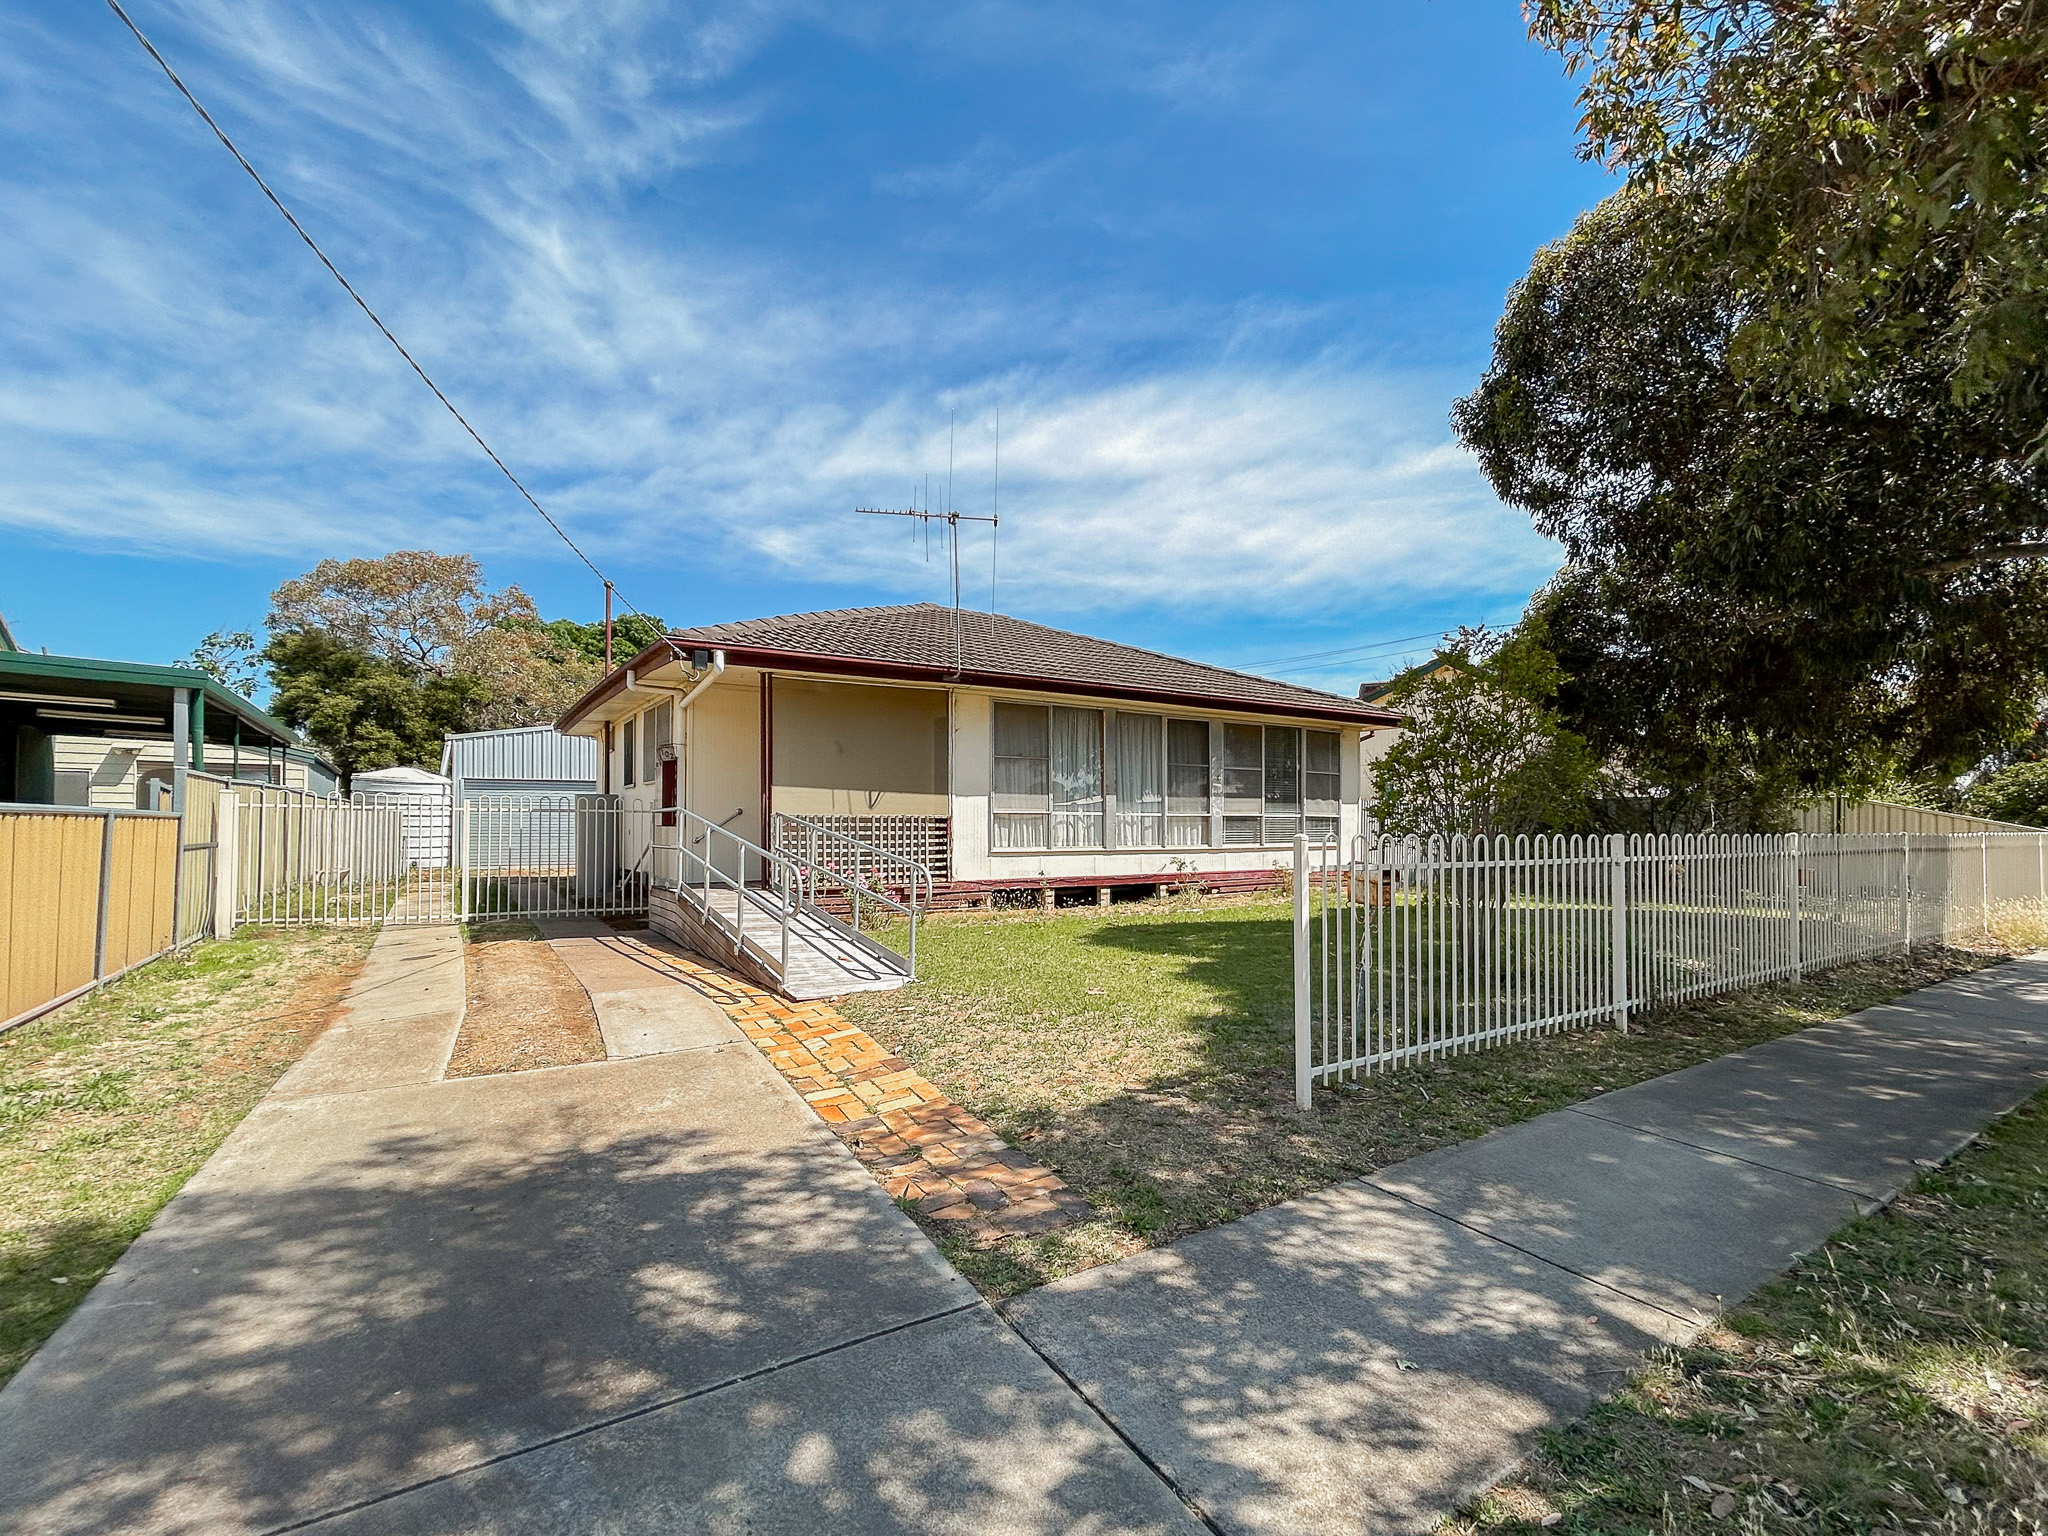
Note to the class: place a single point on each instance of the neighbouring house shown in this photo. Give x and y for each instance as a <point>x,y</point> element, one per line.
<point>80,731</point>
<point>1002,754</point>
<point>521,762</point>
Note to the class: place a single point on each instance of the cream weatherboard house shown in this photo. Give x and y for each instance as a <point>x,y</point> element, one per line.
<point>1001,754</point>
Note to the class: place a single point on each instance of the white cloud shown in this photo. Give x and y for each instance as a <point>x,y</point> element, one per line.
<point>196,384</point>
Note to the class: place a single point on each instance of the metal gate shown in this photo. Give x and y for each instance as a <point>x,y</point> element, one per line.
<point>300,859</point>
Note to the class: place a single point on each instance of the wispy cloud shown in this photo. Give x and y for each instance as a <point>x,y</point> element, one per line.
<point>187,380</point>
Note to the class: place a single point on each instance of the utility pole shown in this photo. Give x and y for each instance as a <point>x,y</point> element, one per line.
<point>607,628</point>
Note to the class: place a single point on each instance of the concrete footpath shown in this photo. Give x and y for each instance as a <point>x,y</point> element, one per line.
<point>647,1294</point>
<point>1364,1359</point>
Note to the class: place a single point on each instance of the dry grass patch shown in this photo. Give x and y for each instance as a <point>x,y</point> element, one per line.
<point>524,1009</point>
<point>1897,1380</point>
<point>1145,1054</point>
<point>109,1104</point>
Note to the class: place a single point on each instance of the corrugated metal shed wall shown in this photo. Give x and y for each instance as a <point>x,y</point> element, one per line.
<point>533,753</point>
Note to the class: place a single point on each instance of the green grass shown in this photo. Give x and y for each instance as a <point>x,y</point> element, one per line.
<point>1896,1380</point>
<point>1145,1054</point>
<point>109,1104</point>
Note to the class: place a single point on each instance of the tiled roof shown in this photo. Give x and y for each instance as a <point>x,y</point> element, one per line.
<point>994,648</point>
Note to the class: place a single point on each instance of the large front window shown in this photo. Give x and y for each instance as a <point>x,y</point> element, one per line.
<point>1087,778</point>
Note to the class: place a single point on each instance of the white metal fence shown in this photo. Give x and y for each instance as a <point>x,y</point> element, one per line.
<point>1424,948</point>
<point>299,859</point>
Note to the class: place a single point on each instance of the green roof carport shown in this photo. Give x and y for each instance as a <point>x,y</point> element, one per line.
<point>45,696</point>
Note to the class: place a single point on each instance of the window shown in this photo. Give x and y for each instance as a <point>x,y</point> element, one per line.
<point>1322,783</point>
<point>1283,783</point>
<point>1244,796</point>
<point>626,754</point>
<point>1023,781</point>
<point>1272,781</point>
<point>1048,777</point>
<point>1140,781</point>
<point>657,730</point>
<point>1076,778</point>
<point>1187,783</point>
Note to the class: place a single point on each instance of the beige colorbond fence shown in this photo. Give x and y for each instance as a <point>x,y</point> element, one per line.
<point>1868,816</point>
<point>84,895</point>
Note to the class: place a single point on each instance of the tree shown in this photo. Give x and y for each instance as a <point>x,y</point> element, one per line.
<point>1864,175</point>
<point>231,658</point>
<point>365,711</point>
<point>1483,751</point>
<point>2016,793</point>
<point>412,607</point>
<point>1762,579</point>
<point>632,633</point>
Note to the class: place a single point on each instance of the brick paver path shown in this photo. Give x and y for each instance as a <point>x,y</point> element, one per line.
<point>918,1143</point>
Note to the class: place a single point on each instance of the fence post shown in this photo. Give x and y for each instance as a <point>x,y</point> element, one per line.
<point>1984,879</point>
<point>1906,892</point>
<point>1303,1085</point>
<point>1798,938</point>
<point>1617,900</point>
<point>226,864</point>
<point>99,936</point>
<point>462,860</point>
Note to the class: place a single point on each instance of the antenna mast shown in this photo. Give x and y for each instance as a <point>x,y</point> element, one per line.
<point>952,519</point>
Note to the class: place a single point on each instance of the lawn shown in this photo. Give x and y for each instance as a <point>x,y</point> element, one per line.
<point>109,1104</point>
<point>1894,1381</point>
<point>1145,1055</point>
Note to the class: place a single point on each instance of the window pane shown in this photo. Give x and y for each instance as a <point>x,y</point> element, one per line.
<point>1077,760</point>
<point>1321,782</point>
<point>1187,831</point>
<point>1020,831</point>
<point>1140,781</point>
<point>1240,829</point>
<point>626,742</point>
<point>1283,770</point>
<point>1023,785</point>
<point>1243,779</point>
<point>1020,730</point>
<point>655,732</point>
<point>1187,769</point>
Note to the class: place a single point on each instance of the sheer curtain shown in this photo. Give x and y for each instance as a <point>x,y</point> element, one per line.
<point>1076,778</point>
<point>1022,782</point>
<point>1140,781</point>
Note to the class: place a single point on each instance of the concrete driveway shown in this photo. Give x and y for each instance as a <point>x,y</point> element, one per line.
<point>649,1294</point>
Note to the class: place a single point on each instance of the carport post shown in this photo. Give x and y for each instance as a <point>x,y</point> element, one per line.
<point>1303,1087</point>
<point>181,746</point>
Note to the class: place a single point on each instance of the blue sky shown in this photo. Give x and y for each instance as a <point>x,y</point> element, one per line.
<point>711,275</point>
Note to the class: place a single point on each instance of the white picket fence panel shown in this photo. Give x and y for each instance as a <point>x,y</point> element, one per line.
<point>1420,948</point>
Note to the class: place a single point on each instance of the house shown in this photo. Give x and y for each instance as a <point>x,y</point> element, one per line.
<point>1004,755</point>
<point>520,763</point>
<point>81,731</point>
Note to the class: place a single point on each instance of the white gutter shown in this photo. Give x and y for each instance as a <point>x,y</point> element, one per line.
<point>717,671</point>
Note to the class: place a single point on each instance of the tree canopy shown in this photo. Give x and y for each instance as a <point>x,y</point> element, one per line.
<point>1780,397</point>
<point>377,659</point>
<point>1483,750</point>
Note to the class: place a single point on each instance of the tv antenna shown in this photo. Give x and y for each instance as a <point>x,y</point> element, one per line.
<point>952,519</point>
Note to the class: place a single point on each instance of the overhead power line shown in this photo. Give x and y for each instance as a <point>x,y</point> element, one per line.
<point>348,288</point>
<point>1359,652</point>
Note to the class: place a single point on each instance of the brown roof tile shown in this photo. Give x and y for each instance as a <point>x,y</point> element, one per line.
<point>920,638</point>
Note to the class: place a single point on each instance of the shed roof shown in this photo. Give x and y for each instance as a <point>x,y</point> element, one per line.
<point>94,695</point>
<point>536,753</point>
<point>924,641</point>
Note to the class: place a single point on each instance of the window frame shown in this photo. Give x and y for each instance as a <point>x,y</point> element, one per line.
<point>1274,824</point>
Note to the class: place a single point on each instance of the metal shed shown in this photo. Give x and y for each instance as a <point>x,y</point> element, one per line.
<point>521,762</point>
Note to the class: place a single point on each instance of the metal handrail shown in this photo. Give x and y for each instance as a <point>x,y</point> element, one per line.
<point>792,878</point>
<point>918,872</point>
